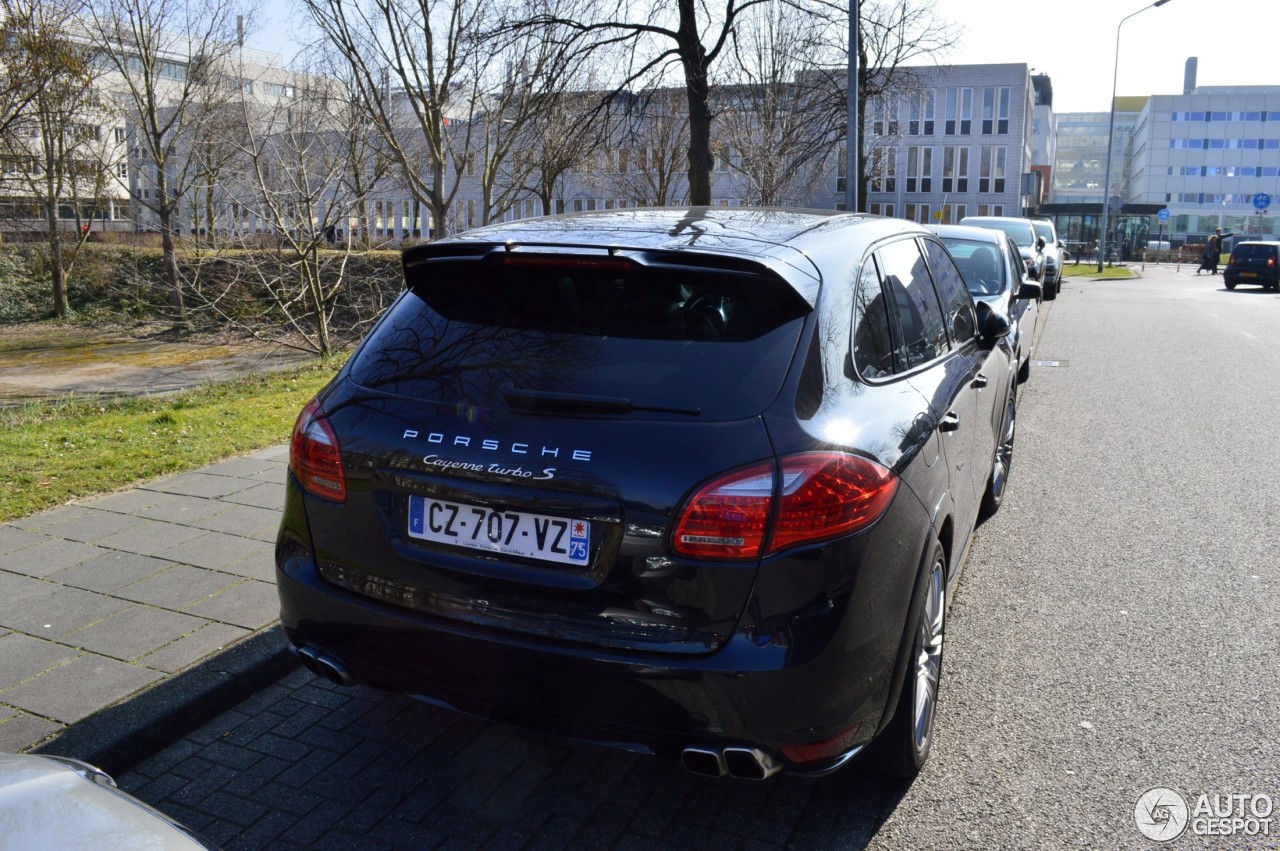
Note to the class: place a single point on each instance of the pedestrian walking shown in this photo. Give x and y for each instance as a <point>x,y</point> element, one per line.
<point>1215,255</point>
<point>1209,257</point>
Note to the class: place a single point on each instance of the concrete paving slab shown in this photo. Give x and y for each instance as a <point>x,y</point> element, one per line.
<point>19,729</point>
<point>60,613</point>
<point>187,510</point>
<point>191,648</point>
<point>265,495</point>
<point>251,604</point>
<point>178,587</point>
<point>13,538</point>
<point>126,502</point>
<point>76,690</point>
<point>88,525</point>
<point>134,631</point>
<point>128,614</point>
<point>244,468</point>
<point>198,484</point>
<point>215,549</point>
<point>48,556</point>
<point>110,571</point>
<point>23,657</point>
<point>258,566</point>
<point>150,537</point>
<point>247,520</point>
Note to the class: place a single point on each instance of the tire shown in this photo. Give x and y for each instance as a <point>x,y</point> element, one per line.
<point>1231,285</point>
<point>1051,290</point>
<point>1024,370</point>
<point>1002,460</point>
<point>902,749</point>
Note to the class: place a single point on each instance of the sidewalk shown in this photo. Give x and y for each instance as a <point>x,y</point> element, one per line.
<point>126,601</point>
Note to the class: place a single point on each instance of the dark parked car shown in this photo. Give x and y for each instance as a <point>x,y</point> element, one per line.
<point>993,270</point>
<point>692,481</point>
<point>1253,263</point>
<point>1030,244</point>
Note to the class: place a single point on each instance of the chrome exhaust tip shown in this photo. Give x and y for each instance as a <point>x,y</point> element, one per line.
<point>751,763</point>
<point>323,665</point>
<point>704,761</point>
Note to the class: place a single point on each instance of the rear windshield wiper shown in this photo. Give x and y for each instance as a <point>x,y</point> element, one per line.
<point>544,401</point>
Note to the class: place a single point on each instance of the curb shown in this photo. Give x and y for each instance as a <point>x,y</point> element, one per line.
<point>119,737</point>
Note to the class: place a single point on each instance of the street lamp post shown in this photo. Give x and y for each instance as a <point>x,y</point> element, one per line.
<point>853,165</point>
<point>1111,130</point>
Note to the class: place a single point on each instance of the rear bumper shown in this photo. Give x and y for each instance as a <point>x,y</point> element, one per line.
<point>798,685</point>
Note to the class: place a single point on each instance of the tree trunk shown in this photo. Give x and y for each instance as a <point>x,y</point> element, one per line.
<point>169,268</point>
<point>697,91</point>
<point>55,255</point>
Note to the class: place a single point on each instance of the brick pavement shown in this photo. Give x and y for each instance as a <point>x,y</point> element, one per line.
<point>304,764</point>
<point>109,597</point>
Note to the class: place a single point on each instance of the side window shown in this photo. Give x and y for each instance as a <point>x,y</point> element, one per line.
<point>957,303</point>
<point>872,341</point>
<point>1015,256</point>
<point>920,333</point>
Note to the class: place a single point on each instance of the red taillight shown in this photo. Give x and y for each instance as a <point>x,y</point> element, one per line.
<point>828,494</point>
<point>315,456</point>
<point>822,495</point>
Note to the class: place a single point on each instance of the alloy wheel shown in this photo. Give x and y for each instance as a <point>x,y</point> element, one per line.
<point>928,667</point>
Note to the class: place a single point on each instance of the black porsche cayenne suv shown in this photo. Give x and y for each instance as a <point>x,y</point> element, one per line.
<point>690,481</point>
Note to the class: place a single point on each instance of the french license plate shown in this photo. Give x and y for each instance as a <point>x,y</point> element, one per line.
<point>1248,274</point>
<point>564,540</point>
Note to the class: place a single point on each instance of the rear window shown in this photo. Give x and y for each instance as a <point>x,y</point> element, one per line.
<point>465,332</point>
<point>1244,251</point>
<point>1020,231</point>
<point>979,263</point>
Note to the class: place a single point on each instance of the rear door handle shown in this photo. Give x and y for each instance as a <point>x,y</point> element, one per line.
<point>950,422</point>
<point>980,381</point>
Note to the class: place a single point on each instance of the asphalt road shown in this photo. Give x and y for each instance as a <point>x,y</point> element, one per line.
<point>1116,629</point>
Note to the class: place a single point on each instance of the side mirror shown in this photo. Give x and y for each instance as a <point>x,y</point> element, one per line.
<point>1040,243</point>
<point>992,324</point>
<point>1030,291</point>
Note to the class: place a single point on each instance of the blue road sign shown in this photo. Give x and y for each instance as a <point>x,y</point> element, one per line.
<point>1262,201</point>
<point>1163,215</point>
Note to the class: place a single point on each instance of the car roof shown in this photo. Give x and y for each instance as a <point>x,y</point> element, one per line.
<point>976,234</point>
<point>995,219</point>
<point>795,244</point>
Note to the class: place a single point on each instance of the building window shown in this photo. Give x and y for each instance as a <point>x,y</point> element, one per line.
<point>1004,98</point>
<point>991,169</point>
<point>955,169</point>
<point>919,169</point>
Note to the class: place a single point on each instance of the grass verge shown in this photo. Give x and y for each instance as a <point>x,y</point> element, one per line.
<point>1090,270</point>
<point>58,451</point>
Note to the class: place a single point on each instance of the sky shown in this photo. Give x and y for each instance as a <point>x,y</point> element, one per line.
<point>1074,42</point>
<point>1237,43</point>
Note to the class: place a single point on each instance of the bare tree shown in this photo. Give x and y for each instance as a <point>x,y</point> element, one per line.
<point>564,135</point>
<point>17,78</point>
<point>166,54</point>
<point>686,38</point>
<point>407,59</point>
<point>894,36</point>
<point>59,148</point>
<point>775,123</point>
<point>649,145</point>
<point>300,162</point>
